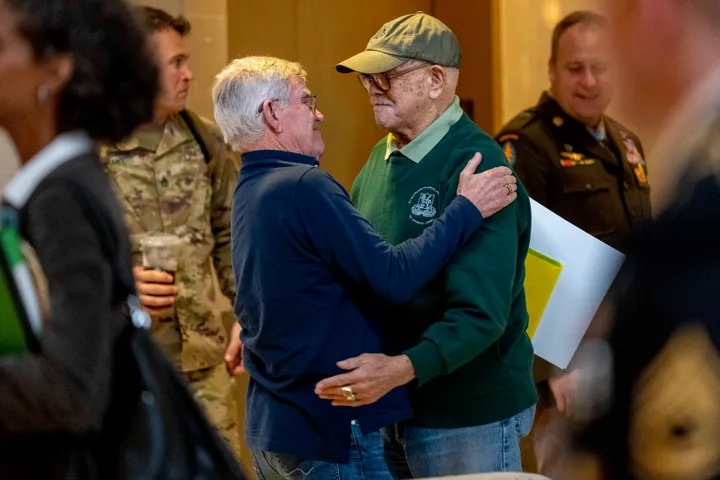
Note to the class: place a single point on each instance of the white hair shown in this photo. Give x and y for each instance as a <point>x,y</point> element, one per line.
<point>240,90</point>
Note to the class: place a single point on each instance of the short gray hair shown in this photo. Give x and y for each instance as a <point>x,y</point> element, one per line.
<point>240,90</point>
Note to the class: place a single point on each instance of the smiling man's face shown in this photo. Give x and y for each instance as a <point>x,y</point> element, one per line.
<point>581,78</point>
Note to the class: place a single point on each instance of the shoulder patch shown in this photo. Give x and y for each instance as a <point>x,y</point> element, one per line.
<point>508,136</point>
<point>509,150</point>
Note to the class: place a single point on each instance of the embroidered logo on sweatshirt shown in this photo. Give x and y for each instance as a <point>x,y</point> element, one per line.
<point>423,209</point>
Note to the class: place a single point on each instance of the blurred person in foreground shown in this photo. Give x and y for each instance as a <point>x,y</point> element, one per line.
<point>570,155</point>
<point>312,271</point>
<point>175,175</point>
<point>664,418</point>
<point>72,73</point>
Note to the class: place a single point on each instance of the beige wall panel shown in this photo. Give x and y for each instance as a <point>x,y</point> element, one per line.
<point>172,6</point>
<point>207,7</point>
<point>208,46</point>
<point>472,23</point>
<point>262,28</point>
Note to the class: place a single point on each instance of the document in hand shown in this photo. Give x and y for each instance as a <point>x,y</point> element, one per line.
<point>587,268</point>
<point>20,318</point>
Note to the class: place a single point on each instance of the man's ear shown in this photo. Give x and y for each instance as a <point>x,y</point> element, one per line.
<point>437,81</point>
<point>551,70</point>
<point>270,114</point>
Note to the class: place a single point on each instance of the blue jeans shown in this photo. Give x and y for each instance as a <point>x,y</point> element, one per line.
<point>417,452</point>
<point>367,462</point>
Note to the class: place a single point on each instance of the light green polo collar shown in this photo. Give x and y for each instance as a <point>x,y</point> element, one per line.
<point>428,138</point>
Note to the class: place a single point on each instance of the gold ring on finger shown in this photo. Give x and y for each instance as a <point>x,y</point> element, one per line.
<point>349,394</point>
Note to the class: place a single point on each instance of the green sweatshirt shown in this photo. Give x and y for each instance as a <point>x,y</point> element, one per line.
<point>465,332</point>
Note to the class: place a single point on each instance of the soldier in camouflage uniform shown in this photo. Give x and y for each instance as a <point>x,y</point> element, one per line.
<point>177,176</point>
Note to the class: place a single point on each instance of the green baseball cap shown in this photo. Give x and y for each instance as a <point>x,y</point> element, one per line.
<point>417,36</point>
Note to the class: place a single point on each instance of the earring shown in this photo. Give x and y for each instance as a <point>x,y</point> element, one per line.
<point>43,92</point>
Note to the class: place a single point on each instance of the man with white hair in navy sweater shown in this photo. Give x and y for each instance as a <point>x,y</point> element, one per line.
<point>310,271</point>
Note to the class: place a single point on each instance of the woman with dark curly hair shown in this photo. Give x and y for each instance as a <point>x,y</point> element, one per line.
<point>72,72</point>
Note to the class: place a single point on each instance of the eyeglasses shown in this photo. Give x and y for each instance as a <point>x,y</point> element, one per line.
<point>382,80</point>
<point>309,100</point>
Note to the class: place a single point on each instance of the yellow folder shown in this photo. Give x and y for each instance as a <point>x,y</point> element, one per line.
<point>541,275</point>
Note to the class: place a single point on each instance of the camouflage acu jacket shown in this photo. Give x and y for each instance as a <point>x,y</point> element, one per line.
<point>165,185</point>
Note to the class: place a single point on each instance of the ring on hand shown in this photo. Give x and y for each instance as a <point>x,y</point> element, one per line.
<point>509,189</point>
<point>349,394</point>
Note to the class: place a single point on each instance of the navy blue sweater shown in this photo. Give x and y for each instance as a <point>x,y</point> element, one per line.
<point>308,267</point>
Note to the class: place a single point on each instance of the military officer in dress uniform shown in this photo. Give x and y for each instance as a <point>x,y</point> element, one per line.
<point>572,158</point>
<point>582,165</point>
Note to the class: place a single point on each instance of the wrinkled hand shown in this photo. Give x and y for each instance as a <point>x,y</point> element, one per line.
<point>371,376</point>
<point>563,388</point>
<point>234,352</point>
<point>156,290</point>
<point>491,190</point>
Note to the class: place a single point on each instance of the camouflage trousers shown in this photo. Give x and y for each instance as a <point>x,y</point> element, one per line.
<point>213,389</point>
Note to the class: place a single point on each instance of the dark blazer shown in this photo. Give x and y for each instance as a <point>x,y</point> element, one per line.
<point>599,186</point>
<point>66,387</point>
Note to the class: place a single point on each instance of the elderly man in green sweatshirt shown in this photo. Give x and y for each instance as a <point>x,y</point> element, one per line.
<point>468,357</point>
